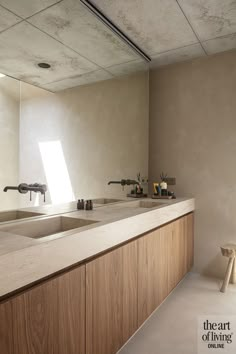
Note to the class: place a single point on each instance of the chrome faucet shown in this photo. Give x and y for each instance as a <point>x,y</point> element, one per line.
<point>24,188</point>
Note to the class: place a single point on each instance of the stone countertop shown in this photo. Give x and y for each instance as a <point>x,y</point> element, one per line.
<point>25,261</point>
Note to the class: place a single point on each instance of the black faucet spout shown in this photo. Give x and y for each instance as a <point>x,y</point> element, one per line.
<point>10,188</point>
<point>114,182</point>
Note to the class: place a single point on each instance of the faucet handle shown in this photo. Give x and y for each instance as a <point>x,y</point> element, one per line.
<point>23,188</point>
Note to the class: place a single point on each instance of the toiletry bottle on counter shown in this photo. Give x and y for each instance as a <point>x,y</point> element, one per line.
<point>163,186</point>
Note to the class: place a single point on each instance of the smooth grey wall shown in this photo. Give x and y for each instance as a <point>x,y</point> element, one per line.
<point>193,137</point>
<point>102,128</point>
<point>9,140</point>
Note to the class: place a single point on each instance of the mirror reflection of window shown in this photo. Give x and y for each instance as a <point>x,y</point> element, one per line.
<point>57,175</point>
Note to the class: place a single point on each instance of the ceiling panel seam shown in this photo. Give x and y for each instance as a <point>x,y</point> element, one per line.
<point>46,8</point>
<point>127,62</point>
<point>107,71</point>
<point>173,49</point>
<point>112,66</point>
<point>15,24</point>
<point>35,13</point>
<point>4,7</point>
<point>76,76</point>
<point>191,26</point>
<point>219,37</point>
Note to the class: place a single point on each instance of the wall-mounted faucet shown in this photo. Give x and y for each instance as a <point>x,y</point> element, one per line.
<point>137,191</point>
<point>124,182</point>
<point>24,188</point>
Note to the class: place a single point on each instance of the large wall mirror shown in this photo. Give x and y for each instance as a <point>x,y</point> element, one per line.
<point>54,108</point>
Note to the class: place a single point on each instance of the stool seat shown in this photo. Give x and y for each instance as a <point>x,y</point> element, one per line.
<point>229,250</point>
<point>229,246</point>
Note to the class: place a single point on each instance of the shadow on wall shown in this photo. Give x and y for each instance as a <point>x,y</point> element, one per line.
<point>56,171</point>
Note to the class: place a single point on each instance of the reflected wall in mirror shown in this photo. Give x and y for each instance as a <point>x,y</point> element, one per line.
<point>77,124</point>
<point>9,139</point>
<point>77,140</point>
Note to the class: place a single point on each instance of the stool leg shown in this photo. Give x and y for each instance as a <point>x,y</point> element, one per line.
<point>227,275</point>
<point>233,275</point>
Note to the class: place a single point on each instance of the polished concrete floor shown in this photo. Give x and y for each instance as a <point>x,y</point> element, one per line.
<point>173,327</point>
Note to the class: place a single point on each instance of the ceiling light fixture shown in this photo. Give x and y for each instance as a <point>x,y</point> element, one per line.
<point>44,65</point>
<point>115,29</point>
<point>2,75</point>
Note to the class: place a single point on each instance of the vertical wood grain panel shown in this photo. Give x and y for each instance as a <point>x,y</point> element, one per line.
<point>111,300</point>
<point>182,252</point>
<point>6,333</point>
<point>34,330</point>
<point>130,288</point>
<point>166,233</point>
<point>177,252</point>
<point>47,319</point>
<point>173,258</point>
<point>190,240</point>
<point>152,272</point>
<point>71,312</point>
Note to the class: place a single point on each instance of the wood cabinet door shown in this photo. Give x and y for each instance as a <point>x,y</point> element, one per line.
<point>180,249</point>
<point>173,257</point>
<point>190,240</point>
<point>180,232</point>
<point>152,271</point>
<point>177,253</point>
<point>6,335</point>
<point>47,319</point>
<point>111,300</point>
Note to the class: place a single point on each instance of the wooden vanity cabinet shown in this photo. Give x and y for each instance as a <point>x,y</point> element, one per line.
<point>111,300</point>
<point>47,319</point>
<point>95,308</point>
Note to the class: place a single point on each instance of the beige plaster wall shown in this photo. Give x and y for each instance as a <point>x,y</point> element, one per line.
<point>193,137</point>
<point>102,128</point>
<point>9,140</point>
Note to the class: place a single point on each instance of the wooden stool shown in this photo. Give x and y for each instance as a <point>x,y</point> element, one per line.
<point>229,250</point>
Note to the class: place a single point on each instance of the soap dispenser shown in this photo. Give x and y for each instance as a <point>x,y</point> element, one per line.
<point>163,185</point>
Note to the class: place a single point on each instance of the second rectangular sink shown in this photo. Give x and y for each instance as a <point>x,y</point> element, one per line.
<point>149,204</point>
<point>106,201</point>
<point>143,204</point>
<point>12,215</point>
<point>47,227</point>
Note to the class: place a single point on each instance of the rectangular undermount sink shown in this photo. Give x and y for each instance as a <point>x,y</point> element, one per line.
<point>106,201</point>
<point>144,204</point>
<point>12,215</point>
<point>47,227</point>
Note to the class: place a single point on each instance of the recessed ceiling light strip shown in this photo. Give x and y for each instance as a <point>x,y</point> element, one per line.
<point>115,29</point>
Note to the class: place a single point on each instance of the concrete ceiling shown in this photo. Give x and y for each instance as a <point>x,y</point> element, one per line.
<point>171,31</point>
<point>82,50</point>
